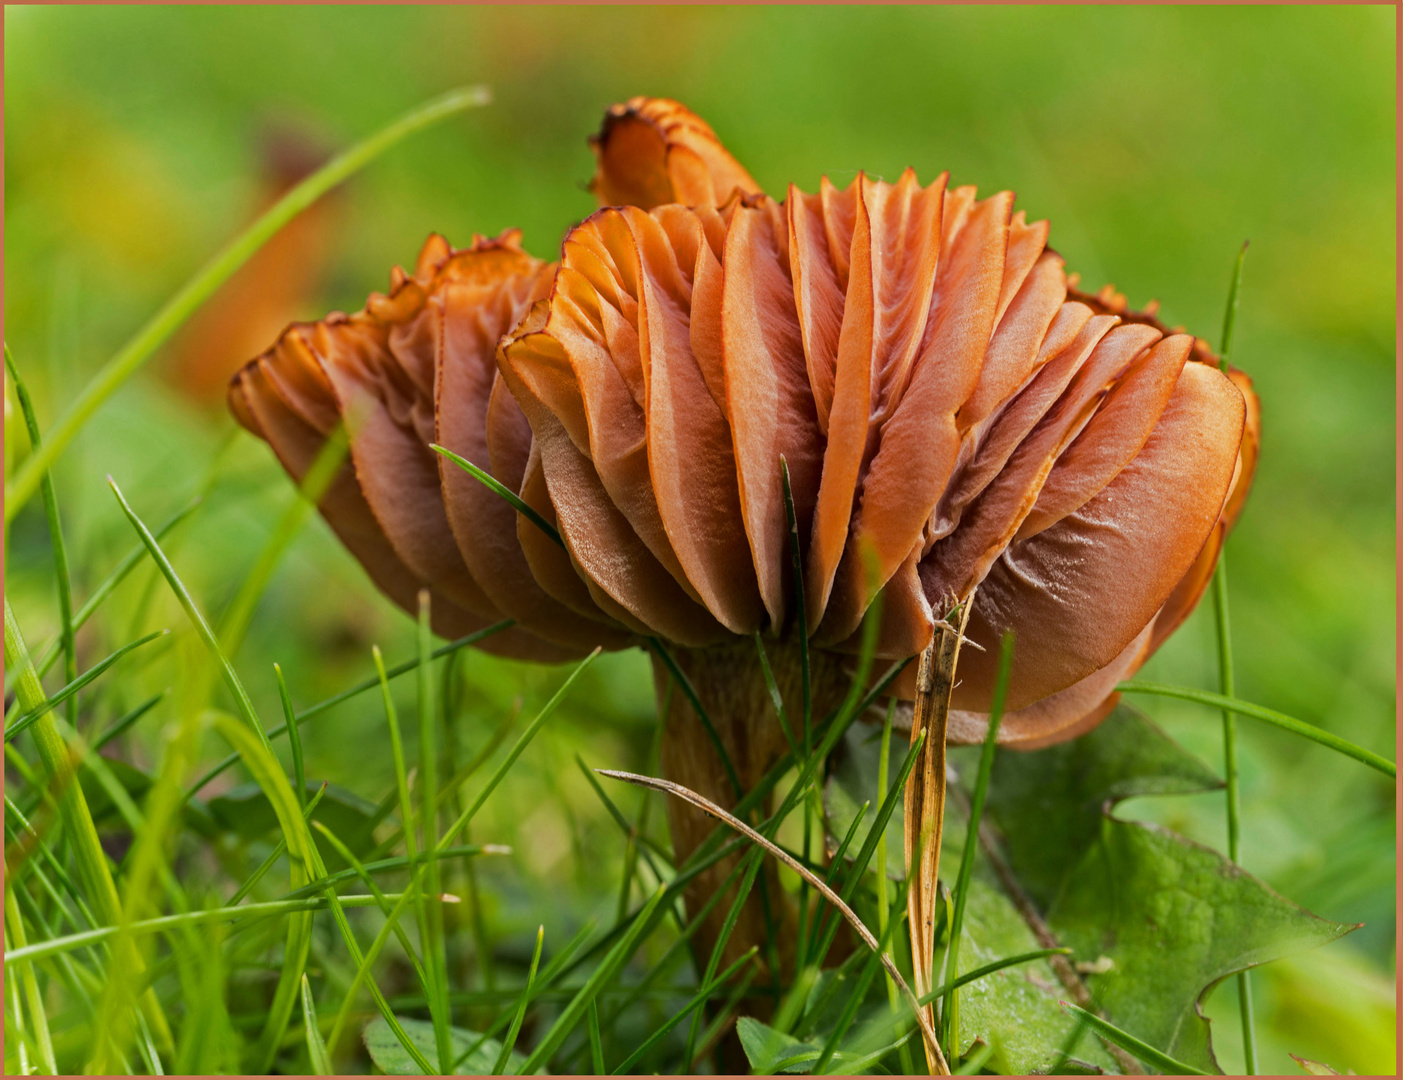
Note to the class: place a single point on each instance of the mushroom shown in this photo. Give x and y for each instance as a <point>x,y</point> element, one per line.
<point>962,429</point>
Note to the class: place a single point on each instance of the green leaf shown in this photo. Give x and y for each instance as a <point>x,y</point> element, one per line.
<point>1314,1068</point>
<point>765,1047</point>
<point>316,1048</point>
<point>392,1059</point>
<point>1050,802</point>
<point>1015,1009</point>
<point>1172,917</point>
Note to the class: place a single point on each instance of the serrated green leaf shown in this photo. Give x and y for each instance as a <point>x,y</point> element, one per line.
<point>1174,918</point>
<point>387,1053</point>
<point>1050,802</point>
<point>1166,917</point>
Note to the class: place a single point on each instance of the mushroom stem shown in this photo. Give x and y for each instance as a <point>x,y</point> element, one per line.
<point>925,801</point>
<point>730,684</point>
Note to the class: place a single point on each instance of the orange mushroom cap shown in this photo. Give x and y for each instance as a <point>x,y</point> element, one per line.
<point>956,419</point>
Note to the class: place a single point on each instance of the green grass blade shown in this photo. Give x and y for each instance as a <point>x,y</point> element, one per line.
<point>520,746</point>
<point>60,549</point>
<point>555,969</point>
<point>33,713</point>
<point>273,856</point>
<point>214,273</point>
<point>609,966</point>
<point>675,950</point>
<point>1230,314</point>
<point>53,752</point>
<point>1226,685</point>
<point>373,952</point>
<point>509,1043</point>
<point>630,835</point>
<point>699,998</point>
<point>775,697</point>
<point>346,695</point>
<point>1270,716</point>
<point>855,999</point>
<point>596,1041</point>
<point>406,810</point>
<point>109,584</point>
<point>401,786</point>
<point>721,843</point>
<point>385,906</point>
<point>883,885</point>
<point>435,958</point>
<point>989,968</point>
<point>725,1019</point>
<point>505,492</point>
<point>1156,1059</point>
<point>187,602</point>
<point>752,864</point>
<point>126,721</point>
<point>800,600</point>
<point>316,1049</point>
<point>380,866</point>
<point>834,868</point>
<point>294,739</point>
<point>163,924</point>
<point>873,842</point>
<point>237,616</point>
<point>266,771</point>
<point>33,999</point>
<point>948,1009</point>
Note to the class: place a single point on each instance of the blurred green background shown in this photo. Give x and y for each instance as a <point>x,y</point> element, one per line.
<point>1155,140</point>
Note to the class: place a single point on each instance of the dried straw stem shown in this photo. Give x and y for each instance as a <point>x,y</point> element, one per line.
<point>925,806</point>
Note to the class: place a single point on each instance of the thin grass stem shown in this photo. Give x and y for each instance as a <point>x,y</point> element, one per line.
<point>800,600</point>
<point>435,958</point>
<point>60,550</point>
<point>509,1043</point>
<point>231,678</point>
<point>70,692</point>
<point>1226,685</point>
<point>316,1048</point>
<point>33,999</point>
<point>494,485</point>
<point>1156,1059</point>
<point>615,959</point>
<point>950,1005</point>
<point>1270,716</point>
<point>162,924</point>
<point>237,616</point>
<point>345,695</point>
<point>698,999</point>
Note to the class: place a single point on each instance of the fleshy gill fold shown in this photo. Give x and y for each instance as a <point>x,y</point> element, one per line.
<point>377,371</point>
